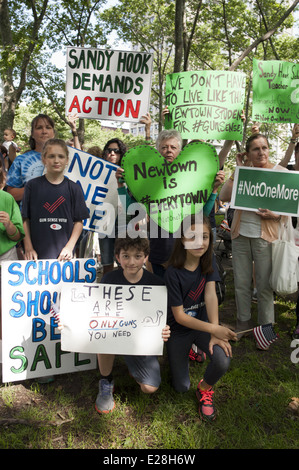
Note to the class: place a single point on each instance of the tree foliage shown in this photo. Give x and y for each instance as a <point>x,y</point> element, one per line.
<point>30,32</point>
<point>150,27</point>
<point>182,35</point>
<point>20,26</point>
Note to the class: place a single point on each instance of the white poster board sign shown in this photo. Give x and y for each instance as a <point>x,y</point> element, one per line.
<point>31,345</point>
<point>107,84</point>
<point>113,319</point>
<point>97,180</point>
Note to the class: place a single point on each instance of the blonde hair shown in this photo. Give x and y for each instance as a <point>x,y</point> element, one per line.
<point>55,141</point>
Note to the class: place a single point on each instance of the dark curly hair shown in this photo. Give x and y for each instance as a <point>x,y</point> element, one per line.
<point>140,243</point>
<point>122,147</point>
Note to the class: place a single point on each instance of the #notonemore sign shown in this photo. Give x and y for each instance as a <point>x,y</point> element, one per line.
<point>263,188</point>
<point>206,104</point>
<point>107,84</point>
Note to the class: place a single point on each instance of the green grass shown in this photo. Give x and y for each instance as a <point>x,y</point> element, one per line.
<point>252,401</point>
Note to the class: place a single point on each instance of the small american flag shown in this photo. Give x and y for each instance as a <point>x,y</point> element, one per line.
<point>265,335</point>
<point>54,310</point>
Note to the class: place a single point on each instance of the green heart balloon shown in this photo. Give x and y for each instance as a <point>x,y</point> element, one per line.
<point>171,191</point>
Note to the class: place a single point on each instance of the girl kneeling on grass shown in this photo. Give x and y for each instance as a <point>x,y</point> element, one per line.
<point>193,313</point>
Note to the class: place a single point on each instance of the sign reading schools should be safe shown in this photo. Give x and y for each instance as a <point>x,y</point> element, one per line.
<point>113,319</point>
<point>31,345</point>
<point>275,87</point>
<point>256,188</point>
<point>206,104</point>
<point>108,84</point>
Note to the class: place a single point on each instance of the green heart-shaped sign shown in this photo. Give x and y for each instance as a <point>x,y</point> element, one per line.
<point>171,191</point>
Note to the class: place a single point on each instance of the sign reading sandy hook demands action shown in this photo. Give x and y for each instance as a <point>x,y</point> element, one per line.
<point>108,84</point>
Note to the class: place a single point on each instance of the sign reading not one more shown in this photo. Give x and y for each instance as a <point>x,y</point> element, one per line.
<point>256,188</point>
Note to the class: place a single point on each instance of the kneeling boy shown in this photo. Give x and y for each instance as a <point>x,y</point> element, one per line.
<point>131,254</point>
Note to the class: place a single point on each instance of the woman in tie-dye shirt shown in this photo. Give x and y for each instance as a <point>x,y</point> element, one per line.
<point>29,165</point>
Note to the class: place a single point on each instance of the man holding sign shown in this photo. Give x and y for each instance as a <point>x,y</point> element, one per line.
<point>252,234</point>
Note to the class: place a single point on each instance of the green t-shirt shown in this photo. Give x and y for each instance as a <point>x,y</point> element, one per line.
<point>9,205</point>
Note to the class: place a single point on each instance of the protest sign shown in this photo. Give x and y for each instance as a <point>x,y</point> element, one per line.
<point>31,344</point>
<point>263,188</point>
<point>113,319</point>
<point>97,180</point>
<point>275,87</point>
<point>171,191</point>
<point>206,104</point>
<point>107,84</point>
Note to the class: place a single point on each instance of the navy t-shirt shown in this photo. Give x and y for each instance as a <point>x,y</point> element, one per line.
<point>52,210</point>
<point>117,277</point>
<point>187,288</point>
<point>161,244</point>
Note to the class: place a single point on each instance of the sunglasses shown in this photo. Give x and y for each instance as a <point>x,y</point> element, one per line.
<point>113,150</point>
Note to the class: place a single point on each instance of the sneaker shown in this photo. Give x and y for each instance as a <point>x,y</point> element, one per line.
<point>198,356</point>
<point>295,334</point>
<point>206,407</point>
<point>104,402</point>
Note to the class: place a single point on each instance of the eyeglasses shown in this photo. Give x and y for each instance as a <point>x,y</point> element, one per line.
<point>113,150</point>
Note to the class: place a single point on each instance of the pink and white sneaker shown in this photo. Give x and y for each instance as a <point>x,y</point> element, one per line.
<point>206,408</point>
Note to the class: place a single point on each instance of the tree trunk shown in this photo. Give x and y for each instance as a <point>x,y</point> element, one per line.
<point>179,32</point>
<point>12,93</point>
<point>9,96</point>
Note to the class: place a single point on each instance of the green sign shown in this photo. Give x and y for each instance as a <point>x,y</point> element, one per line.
<point>275,91</point>
<point>256,188</point>
<point>206,104</point>
<point>171,191</point>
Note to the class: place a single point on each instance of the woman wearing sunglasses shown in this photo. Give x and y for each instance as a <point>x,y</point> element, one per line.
<point>113,152</point>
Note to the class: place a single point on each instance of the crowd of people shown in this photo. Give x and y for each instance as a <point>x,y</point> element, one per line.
<point>34,182</point>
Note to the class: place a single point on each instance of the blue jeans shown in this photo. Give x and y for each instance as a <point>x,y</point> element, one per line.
<point>107,250</point>
<point>144,369</point>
